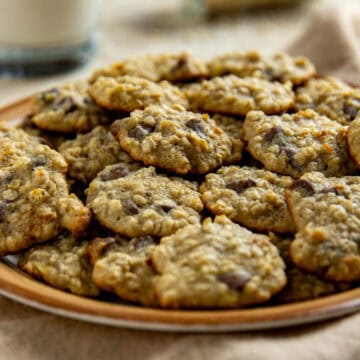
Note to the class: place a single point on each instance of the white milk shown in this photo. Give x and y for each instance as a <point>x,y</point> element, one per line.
<point>47,23</point>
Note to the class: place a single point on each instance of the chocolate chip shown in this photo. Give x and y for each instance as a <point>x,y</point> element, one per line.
<point>196,125</point>
<point>139,131</point>
<point>272,133</point>
<point>115,172</point>
<point>146,240</point>
<point>235,280</point>
<point>290,154</point>
<point>96,247</point>
<point>88,101</point>
<point>129,207</point>
<point>241,185</point>
<point>181,63</point>
<point>66,104</point>
<point>166,207</point>
<point>115,128</point>
<point>3,210</point>
<point>351,110</point>
<point>329,191</point>
<point>303,186</point>
<point>37,161</point>
<point>6,178</point>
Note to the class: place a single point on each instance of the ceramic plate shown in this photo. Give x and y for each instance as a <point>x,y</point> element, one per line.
<point>18,286</point>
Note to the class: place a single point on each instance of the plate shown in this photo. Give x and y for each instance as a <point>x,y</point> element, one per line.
<point>18,286</point>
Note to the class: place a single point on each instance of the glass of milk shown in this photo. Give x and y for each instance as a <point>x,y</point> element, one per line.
<point>43,37</point>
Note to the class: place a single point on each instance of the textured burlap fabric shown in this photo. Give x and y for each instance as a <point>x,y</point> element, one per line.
<point>330,37</point>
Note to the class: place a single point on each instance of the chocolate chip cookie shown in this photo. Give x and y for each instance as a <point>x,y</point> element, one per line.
<point>231,95</point>
<point>121,266</point>
<point>326,212</point>
<point>156,67</point>
<point>67,109</point>
<point>143,202</point>
<point>293,144</point>
<point>128,93</point>
<point>174,139</point>
<point>62,263</point>
<point>216,265</point>
<point>89,153</point>
<point>329,97</point>
<point>276,67</point>
<point>251,197</point>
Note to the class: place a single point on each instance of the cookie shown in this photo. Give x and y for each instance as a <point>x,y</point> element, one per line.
<point>142,202</point>
<point>156,67</point>
<point>276,67</point>
<point>233,128</point>
<point>252,197</point>
<point>122,267</point>
<point>128,93</point>
<point>293,144</point>
<point>173,139</point>
<point>34,194</point>
<point>216,265</point>
<point>301,285</point>
<point>62,263</point>
<point>329,97</point>
<point>231,95</point>
<point>326,212</point>
<point>67,109</point>
<point>89,153</point>
<point>353,139</point>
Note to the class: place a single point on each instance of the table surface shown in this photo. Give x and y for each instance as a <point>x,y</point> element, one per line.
<point>128,29</point>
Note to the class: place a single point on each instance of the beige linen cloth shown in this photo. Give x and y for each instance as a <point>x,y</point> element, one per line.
<point>331,38</point>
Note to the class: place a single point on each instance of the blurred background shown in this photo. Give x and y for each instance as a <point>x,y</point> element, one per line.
<point>205,27</point>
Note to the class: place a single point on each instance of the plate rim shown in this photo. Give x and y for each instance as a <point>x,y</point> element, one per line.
<point>18,286</point>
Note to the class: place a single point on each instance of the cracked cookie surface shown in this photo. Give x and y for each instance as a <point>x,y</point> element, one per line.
<point>143,202</point>
<point>252,197</point>
<point>276,67</point>
<point>89,153</point>
<point>62,263</point>
<point>174,139</point>
<point>216,265</point>
<point>67,109</point>
<point>326,212</point>
<point>231,95</point>
<point>128,93</point>
<point>121,266</point>
<point>293,144</point>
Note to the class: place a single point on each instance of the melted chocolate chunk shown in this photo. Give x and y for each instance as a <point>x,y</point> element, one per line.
<point>241,185</point>
<point>181,63</point>
<point>130,207</point>
<point>166,208</point>
<point>115,172</point>
<point>351,109</point>
<point>139,131</point>
<point>197,126</point>
<point>303,186</point>
<point>235,280</point>
<point>273,133</point>
<point>146,240</point>
<point>3,210</point>
<point>290,154</point>
<point>37,161</point>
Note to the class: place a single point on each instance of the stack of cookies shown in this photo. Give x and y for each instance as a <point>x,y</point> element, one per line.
<point>177,183</point>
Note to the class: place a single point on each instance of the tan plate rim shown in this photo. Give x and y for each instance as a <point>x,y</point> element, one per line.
<point>18,286</point>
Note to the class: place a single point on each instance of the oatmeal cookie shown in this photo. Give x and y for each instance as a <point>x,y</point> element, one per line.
<point>143,202</point>
<point>326,212</point>
<point>216,265</point>
<point>293,144</point>
<point>329,97</point>
<point>67,109</point>
<point>128,93</point>
<point>354,140</point>
<point>121,266</point>
<point>251,197</point>
<point>276,67</point>
<point>89,153</point>
<point>62,263</point>
<point>231,95</point>
<point>233,128</point>
<point>301,285</point>
<point>156,67</point>
<point>174,139</point>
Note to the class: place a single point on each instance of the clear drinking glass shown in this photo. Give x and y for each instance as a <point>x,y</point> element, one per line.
<point>43,37</point>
